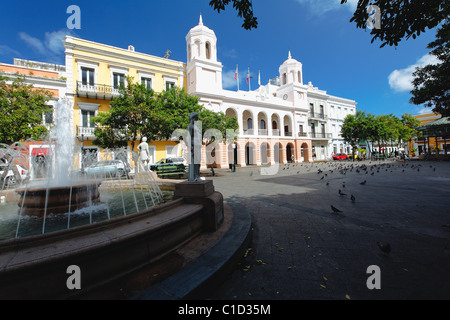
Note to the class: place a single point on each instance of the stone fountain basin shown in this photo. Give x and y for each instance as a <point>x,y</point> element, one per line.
<point>36,267</point>
<point>43,200</point>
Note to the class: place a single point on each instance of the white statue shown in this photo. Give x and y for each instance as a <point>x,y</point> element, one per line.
<point>144,153</point>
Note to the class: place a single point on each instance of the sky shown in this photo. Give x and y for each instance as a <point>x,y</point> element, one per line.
<point>336,56</point>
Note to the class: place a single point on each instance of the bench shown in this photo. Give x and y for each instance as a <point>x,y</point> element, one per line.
<point>169,171</point>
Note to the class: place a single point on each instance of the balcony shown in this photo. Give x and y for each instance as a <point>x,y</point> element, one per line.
<point>262,132</point>
<point>320,135</point>
<point>302,134</point>
<point>87,132</point>
<point>96,91</point>
<point>318,116</point>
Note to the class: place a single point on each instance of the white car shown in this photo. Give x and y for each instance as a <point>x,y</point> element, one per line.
<point>10,179</point>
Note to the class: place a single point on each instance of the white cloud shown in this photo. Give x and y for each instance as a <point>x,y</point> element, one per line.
<point>228,81</point>
<point>320,7</point>
<point>5,50</point>
<point>52,45</point>
<point>401,80</point>
<point>35,43</point>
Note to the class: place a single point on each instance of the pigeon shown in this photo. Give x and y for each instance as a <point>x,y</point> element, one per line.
<point>386,248</point>
<point>335,210</point>
<point>328,183</point>
<point>364,182</point>
<point>341,193</point>
<point>322,177</point>
<point>353,198</point>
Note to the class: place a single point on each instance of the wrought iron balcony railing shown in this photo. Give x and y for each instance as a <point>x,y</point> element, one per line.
<point>97,91</point>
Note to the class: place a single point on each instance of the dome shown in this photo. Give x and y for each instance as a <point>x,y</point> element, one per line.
<point>290,60</point>
<point>201,28</point>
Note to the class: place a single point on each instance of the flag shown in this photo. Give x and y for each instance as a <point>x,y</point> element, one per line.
<point>248,75</point>
<point>259,77</point>
<point>236,73</point>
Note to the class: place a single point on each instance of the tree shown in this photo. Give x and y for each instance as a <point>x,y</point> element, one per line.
<point>22,107</point>
<point>431,82</point>
<point>130,116</point>
<point>244,9</point>
<point>355,128</point>
<point>173,108</point>
<point>401,19</point>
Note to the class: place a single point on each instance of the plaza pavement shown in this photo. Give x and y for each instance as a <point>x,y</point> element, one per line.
<point>300,249</point>
<point>286,243</point>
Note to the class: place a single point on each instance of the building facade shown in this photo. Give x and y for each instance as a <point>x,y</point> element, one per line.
<point>283,121</point>
<point>49,77</point>
<point>95,72</point>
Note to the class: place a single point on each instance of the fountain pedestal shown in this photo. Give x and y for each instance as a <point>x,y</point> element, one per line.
<point>38,201</point>
<point>203,192</point>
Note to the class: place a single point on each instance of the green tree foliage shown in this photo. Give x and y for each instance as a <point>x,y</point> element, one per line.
<point>431,83</point>
<point>140,112</point>
<point>378,129</point>
<point>130,116</point>
<point>22,108</point>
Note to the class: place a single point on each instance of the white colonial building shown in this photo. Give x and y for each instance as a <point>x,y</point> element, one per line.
<point>283,121</point>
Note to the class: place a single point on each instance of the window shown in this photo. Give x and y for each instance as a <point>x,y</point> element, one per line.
<point>284,78</point>
<point>87,76</point>
<point>321,109</point>
<point>87,118</point>
<point>147,82</point>
<point>48,117</point>
<point>249,124</point>
<point>263,124</point>
<point>311,107</point>
<point>208,50</point>
<point>169,85</point>
<point>299,74</point>
<point>300,129</point>
<point>118,80</point>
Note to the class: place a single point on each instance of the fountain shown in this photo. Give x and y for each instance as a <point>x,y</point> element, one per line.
<point>108,226</point>
<point>60,192</point>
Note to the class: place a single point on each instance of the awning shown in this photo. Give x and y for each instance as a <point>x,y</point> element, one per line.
<point>40,152</point>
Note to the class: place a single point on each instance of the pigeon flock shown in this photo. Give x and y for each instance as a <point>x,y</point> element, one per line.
<point>329,171</point>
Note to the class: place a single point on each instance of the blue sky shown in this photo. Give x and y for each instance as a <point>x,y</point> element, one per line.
<point>336,56</point>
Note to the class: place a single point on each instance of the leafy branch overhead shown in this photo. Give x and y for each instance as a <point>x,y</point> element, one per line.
<point>402,18</point>
<point>244,9</point>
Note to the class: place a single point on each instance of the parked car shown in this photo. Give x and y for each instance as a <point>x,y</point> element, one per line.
<point>176,166</point>
<point>340,156</point>
<point>106,169</point>
<point>10,179</point>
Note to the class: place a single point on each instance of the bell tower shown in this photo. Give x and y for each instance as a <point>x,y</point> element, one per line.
<point>204,72</point>
<point>291,72</point>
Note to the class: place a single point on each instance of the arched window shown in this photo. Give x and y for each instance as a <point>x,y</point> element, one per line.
<point>284,78</point>
<point>249,124</point>
<point>274,125</point>
<point>262,124</point>
<point>208,50</point>
<point>299,76</point>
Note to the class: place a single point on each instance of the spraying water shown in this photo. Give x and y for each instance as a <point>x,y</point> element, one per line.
<point>64,145</point>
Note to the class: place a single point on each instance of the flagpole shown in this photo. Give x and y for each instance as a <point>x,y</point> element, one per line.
<point>248,77</point>
<point>236,76</point>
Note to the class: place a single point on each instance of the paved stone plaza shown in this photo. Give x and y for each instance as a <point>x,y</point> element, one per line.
<point>301,249</point>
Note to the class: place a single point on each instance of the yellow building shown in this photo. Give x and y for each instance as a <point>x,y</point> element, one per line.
<point>94,74</point>
<point>424,145</point>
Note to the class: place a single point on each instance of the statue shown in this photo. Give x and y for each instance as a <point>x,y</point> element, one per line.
<point>144,153</point>
<point>195,156</point>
